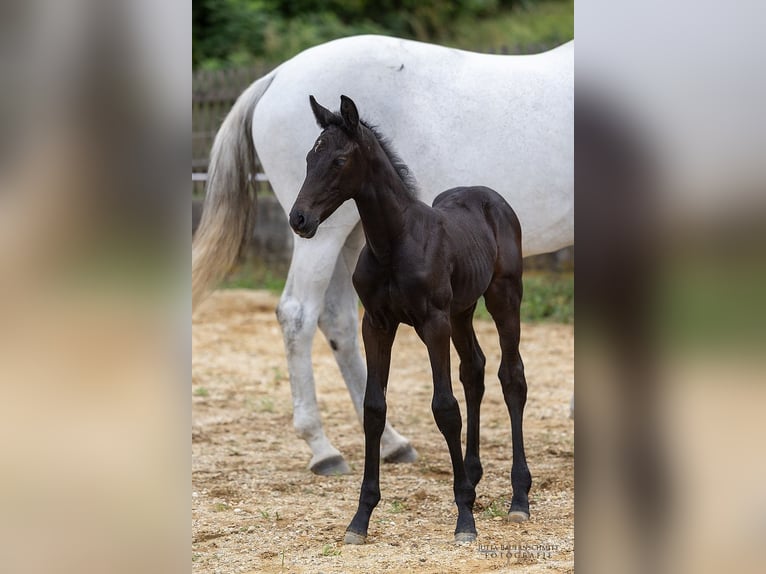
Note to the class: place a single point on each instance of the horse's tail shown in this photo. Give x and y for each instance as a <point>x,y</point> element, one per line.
<point>228,212</point>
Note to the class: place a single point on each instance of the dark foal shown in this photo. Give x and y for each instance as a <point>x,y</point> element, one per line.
<point>426,267</point>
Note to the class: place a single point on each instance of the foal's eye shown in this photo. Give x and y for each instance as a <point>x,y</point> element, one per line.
<point>339,161</point>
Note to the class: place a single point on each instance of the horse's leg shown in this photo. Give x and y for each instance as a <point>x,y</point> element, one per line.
<point>298,313</point>
<point>472,363</point>
<point>338,321</point>
<point>435,332</point>
<point>503,298</point>
<point>377,344</point>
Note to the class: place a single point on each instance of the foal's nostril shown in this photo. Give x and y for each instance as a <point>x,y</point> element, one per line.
<point>303,223</point>
<point>297,219</point>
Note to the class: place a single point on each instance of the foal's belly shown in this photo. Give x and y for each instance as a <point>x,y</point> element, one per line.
<point>411,298</point>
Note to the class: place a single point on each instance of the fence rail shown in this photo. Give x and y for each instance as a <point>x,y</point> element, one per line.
<point>200,176</point>
<point>213,94</point>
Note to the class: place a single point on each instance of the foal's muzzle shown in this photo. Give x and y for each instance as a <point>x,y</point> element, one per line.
<point>303,224</point>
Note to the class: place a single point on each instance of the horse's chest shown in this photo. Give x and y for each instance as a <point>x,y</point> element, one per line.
<point>392,296</point>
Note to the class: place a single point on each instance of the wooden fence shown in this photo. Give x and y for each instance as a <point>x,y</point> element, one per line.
<point>213,94</point>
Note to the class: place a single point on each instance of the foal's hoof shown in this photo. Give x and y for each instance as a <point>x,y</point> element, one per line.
<point>354,538</point>
<point>517,516</point>
<point>464,537</point>
<point>333,466</point>
<point>404,454</point>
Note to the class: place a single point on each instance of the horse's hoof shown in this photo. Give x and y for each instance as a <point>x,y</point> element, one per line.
<point>464,537</point>
<point>354,538</point>
<point>333,466</point>
<point>517,516</point>
<point>404,454</point>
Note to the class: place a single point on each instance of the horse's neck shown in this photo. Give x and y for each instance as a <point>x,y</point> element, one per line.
<point>382,203</point>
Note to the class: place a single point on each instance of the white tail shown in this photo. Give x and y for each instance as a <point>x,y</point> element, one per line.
<point>228,212</point>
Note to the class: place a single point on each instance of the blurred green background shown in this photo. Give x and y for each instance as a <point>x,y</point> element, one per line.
<point>245,32</point>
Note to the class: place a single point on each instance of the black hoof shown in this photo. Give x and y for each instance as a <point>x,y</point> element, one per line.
<point>464,537</point>
<point>333,466</point>
<point>518,512</point>
<point>354,538</point>
<point>404,454</point>
<point>517,516</point>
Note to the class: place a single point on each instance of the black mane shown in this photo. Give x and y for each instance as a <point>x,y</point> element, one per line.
<point>401,168</point>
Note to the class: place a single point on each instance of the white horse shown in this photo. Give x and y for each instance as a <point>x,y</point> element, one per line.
<point>440,106</point>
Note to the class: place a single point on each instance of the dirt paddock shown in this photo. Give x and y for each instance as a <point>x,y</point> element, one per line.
<point>256,507</point>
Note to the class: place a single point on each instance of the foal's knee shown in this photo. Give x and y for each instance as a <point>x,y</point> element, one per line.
<point>472,372</point>
<point>374,417</point>
<point>511,375</point>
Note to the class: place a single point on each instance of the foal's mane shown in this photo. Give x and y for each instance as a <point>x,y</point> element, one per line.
<point>410,185</point>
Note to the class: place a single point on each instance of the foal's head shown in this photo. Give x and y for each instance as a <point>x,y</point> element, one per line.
<point>335,166</point>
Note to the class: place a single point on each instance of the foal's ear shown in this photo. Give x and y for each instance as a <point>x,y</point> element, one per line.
<point>349,113</point>
<point>323,116</point>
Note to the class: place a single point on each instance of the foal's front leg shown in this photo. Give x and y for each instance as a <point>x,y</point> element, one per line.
<point>435,332</point>
<point>339,322</point>
<point>378,341</point>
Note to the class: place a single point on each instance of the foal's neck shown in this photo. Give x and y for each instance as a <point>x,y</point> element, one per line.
<point>383,203</point>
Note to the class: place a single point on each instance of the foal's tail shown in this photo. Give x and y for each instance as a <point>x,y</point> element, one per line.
<point>228,212</point>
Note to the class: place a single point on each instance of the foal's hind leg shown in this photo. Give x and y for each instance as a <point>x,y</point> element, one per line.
<point>503,300</point>
<point>435,333</point>
<point>472,363</point>
<point>339,323</point>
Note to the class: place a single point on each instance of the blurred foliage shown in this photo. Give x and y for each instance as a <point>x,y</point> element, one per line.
<point>712,302</point>
<point>253,273</point>
<point>239,32</point>
<point>548,296</point>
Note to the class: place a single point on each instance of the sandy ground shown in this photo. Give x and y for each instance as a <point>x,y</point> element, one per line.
<point>256,507</point>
